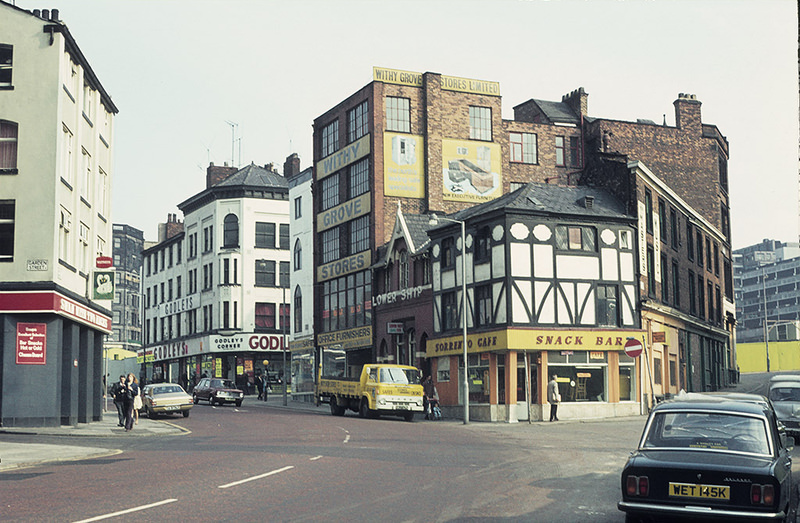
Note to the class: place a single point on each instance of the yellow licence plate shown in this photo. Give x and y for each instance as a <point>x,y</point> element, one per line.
<point>693,490</point>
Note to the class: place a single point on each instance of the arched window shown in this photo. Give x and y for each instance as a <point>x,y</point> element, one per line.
<point>298,256</point>
<point>230,231</point>
<point>298,309</point>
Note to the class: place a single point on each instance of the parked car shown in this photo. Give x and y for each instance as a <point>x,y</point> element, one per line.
<point>165,398</point>
<point>784,393</point>
<point>705,456</point>
<point>217,390</point>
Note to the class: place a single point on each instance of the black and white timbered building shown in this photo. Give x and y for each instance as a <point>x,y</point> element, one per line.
<point>551,289</point>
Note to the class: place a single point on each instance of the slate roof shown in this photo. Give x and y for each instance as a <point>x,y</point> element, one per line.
<point>254,176</point>
<point>418,227</point>
<point>548,199</point>
<point>557,112</point>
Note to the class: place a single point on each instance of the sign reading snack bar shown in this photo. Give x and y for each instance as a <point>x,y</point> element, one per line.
<point>471,171</point>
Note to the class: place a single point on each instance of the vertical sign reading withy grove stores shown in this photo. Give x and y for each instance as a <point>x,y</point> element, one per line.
<point>31,344</point>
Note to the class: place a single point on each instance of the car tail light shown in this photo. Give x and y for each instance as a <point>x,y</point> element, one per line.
<point>762,495</point>
<point>637,485</point>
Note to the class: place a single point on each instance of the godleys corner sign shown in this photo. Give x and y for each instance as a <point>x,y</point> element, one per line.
<point>533,340</point>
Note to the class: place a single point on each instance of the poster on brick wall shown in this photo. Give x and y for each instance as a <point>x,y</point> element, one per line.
<point>471,171</point>
<point>31,344</point>
<point>404,170</point>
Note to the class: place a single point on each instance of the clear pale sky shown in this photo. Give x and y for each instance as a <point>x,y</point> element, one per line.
<point>179,70</point>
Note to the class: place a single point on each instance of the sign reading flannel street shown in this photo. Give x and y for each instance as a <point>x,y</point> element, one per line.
<point>31,344</point>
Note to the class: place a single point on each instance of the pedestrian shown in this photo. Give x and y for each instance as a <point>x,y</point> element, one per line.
<point>118,391</point>
<point>137,401</point>
<point>553,397</point>
<point>131,391</point>
<point>430,397</point>
<point>260,386</point>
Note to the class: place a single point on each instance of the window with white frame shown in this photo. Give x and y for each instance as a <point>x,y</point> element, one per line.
<point>64,226</point>
<point>560,158</point>
<point>6,64</point>
<point>88,101</point>
<point>102,192</point>
<point>67,144</point>
<point>480,123</point>
<point>86,160</point>
<point>523,147</point>
<point>83,240</point>
<point>298,255</point>
<point>8,147</point>
<point>398,114</point>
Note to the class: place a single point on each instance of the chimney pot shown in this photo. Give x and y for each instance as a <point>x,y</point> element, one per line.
<point>46,14</point>
<point>54,15</point>
<point>37,13</point>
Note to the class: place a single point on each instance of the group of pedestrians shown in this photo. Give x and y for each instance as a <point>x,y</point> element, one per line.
<point>128,400</point>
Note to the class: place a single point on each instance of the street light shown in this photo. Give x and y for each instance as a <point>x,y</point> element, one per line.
<point>434,221</point>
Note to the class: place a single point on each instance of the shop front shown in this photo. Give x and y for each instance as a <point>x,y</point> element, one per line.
<point>508,371</point>
<point>239,357</point>
<point>304,365</point>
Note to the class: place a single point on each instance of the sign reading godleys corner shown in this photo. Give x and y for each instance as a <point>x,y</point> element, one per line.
<point>344,157</point>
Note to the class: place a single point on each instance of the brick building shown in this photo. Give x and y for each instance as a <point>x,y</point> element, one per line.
<point>438,144</point>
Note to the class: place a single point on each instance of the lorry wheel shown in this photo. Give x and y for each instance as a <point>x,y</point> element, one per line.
<point>336,410</point>
<point>363,409</point>
<point>409,416</point>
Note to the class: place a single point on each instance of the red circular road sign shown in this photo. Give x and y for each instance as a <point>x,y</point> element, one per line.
<point>633,348</point>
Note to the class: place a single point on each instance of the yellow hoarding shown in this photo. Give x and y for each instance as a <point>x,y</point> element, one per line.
<point>467,85</point>
<point>404,165</point>
<point>343,157</point>
<point>349,210</point>
<point>471,171</point>
<point>356,262</point>
<point>346,339</point>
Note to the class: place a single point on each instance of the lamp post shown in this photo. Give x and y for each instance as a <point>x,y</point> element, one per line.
<point>766,320</point>
<point>434,221</point>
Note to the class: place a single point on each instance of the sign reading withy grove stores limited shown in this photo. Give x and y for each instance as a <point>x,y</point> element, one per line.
<point>31,344</point>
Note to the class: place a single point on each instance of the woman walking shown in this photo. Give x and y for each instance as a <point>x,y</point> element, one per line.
<point>131,391</point>
<point>137,402</point>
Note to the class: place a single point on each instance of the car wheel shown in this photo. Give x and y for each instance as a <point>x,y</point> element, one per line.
<point>211,400</point>
<point>194,399</point>
<point>185,413</point>
<point>239,403</point>
<point>151,414</point>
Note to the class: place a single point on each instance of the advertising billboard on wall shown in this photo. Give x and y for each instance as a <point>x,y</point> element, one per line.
<point>404,166</point>
<point>471,171</point>
<point>31,344</point>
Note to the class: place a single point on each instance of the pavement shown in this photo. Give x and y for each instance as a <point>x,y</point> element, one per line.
<point>18,452</point>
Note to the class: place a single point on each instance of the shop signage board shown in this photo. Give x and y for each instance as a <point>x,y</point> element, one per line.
<point>633,348</point>
<point>394,327</point>
<point>31,344</point>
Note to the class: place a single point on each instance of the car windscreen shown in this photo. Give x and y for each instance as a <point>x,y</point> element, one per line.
<point>708,430</point>
<point>166,390</point>
<point>785,394</point>
<point>399,376</point>
<point>227,384</point>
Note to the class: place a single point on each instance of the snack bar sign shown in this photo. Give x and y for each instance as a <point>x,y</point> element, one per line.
<point>31,344</point>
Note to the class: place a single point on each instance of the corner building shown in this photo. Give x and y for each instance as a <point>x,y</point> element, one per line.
<point>56,167</point>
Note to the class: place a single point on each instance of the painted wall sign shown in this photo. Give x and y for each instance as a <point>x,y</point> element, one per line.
<point>346,339</point>
<point>394,76</point>
<point>354,263</point>
<point>404,167</point>
<point>344,212</point>
<point>471,171</point>
<point>31,344</point>
<point>399,295</point>
<point>180,305</point>
<point>467,85</point>
<point>343,157</point>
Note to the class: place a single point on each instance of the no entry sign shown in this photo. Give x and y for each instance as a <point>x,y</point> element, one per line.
<point>633,348</point>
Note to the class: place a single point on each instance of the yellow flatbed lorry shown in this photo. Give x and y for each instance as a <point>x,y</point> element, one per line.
<point>393,390</point>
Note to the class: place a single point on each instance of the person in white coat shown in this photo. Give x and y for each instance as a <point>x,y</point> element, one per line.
<point>553,397</point>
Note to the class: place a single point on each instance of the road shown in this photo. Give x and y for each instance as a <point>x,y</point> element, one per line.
<point>274,464</point>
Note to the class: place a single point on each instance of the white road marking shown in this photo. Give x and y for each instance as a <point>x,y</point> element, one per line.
<point>315,458</point>
<point>284,469</point>
<point>127,511</point>
<point>346,438</point>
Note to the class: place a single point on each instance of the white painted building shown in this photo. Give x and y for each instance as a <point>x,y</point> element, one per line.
<point>217,294</point>
<point>301,341</point>
<point>56,166</point>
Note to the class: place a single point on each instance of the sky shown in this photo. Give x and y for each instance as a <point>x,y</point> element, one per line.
<point>241,81</point>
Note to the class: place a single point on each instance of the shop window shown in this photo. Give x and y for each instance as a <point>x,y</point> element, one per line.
<point>627,378</point>
<point>443,369</point>
<point>582,375</point>
<point>478,378</point>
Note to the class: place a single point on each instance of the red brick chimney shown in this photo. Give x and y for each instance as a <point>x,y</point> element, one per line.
<point>687,113</point>
<point>291,167</point>
<point>215,173</point>
<point>171,228</point>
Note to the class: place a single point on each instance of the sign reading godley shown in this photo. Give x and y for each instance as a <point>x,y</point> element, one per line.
<point>533,340</point>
